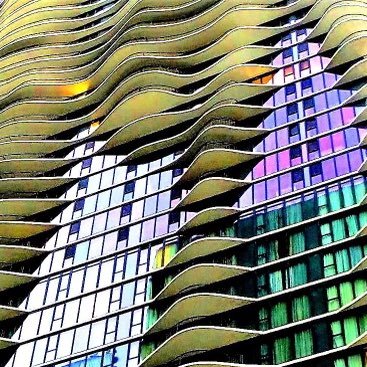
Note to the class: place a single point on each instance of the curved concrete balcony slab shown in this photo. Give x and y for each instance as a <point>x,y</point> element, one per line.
<point>10,280</point>
<point>7,343</point>
<point>354,49</point>
<point>14,254</point>
<point>198,276</point>
<point>31,167</point>
<point>355,72</point>
<point>210,188</point>
<point>7,313</point>
<point>331,19</point>
<point>203,247</point>
<point>17,209</point>
<point>212,161</point>
<point>124,136</point>
<point>29,186</point>
<point>197,306</point>
<point>342,29</point>
<point>194,341</point>
<point>209,216</point>
<point>15,230</point>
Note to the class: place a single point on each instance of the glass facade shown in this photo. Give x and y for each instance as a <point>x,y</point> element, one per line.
<point>213,197</point>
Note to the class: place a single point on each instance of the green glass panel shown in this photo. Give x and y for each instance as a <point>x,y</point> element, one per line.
<point>355,361</point>
<point>297,243</point>
<point>297,275</point>
<point>351,329</point>
<point>300,308</point>
<point>333,299</point>
<point>346,293</point>
<point>303,343</point>
<point>282,350</point>
<point>279,315</point>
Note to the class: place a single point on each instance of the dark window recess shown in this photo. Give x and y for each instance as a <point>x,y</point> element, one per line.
<point>87,163</point>
<point>315,169</point>
<point>306,83</point>
<point>299,32</point>
<point>89,145</point>
<point>292,109</point>
<point>311,124</point>
<point>173,217</point>
<point>70,251</point>
<point>297,175</point>
<point>302,47</point>
<point>74,228</point>
<point>308,103</point>
<point>129,187</point>
<point>123,234</point>
<point>126,210</point>
<point>313,146</point>
<point>175,194</point>
<point>286,37</point>
<point>83,184</point>
<point>294,130</point>
<point>79,205</point>
<point>131,167</point>
<point>287,53</point>
<point>295,152</point>
<point>290,89</point>
<point>177,172</point>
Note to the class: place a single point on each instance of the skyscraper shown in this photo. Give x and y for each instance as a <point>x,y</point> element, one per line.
<point>183,183</point>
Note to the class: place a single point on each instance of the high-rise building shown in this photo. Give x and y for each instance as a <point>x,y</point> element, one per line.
<point>183,183</point>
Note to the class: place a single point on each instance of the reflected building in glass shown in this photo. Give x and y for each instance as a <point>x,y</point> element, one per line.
<point>183,183</point>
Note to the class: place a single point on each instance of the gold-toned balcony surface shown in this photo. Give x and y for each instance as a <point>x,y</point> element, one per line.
<point>14,254</point>
<point>199,276</point>
<point>203,247</point>
<point>195,340</point>
<point>197,306</point>
<point>210,188</point>
<point>10,280</point>
<point>212,161</point>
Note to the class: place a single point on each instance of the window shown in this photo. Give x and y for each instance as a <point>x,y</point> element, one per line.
<point>290,89</point>
<point>126,210</point>
<point>129,187</point>
<point>297,175</point>
<point>302,47</point>
<point>74,228</point>
<point>173,217</point>
<point>300,32</point>
<point>79,205</point>
<point>292,109</point>
<point>287,53</point>
<point>306,83</point>
<point>287,37</point>
<point>315,169</point>
<point>87,163</point>
<point>305,65</point>
<point>177,172</point>
<point>311,124</point>
<point>175,194</point>
<point>83,184</point>
<point>294,130</point>
<point>313,146</point>
<point>308,103</point>
<point>89,145</point>
<point>70,251</point>
<point>123,234</point>
<point>131,168</point>
<point>288,70</point>
<point>295,152</point>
